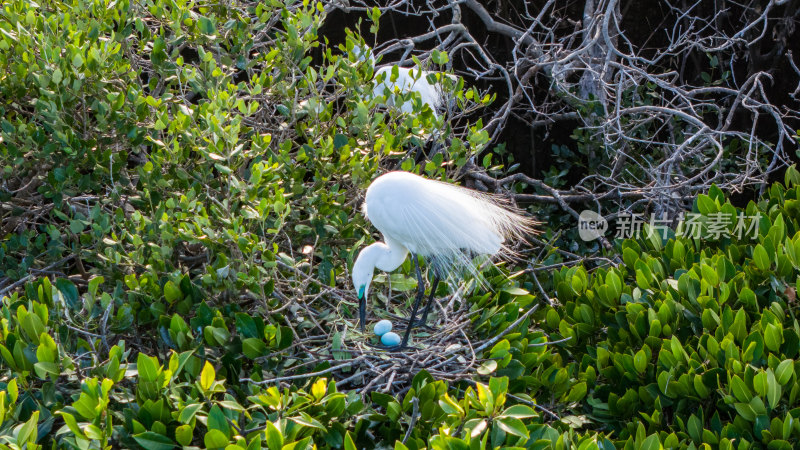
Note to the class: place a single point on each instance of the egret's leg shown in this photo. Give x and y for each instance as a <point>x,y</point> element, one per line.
<point>420,294</point>
<point>362,312</point>
<point>424,319</point>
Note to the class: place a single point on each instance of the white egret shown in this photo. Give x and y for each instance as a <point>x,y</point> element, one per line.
<point>406,80</point>
<point>410,80</point>
<point>444,223</point>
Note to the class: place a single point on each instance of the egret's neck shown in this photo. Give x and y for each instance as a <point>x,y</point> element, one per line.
<point>386,256</point>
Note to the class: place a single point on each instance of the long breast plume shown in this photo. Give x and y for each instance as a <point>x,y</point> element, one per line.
<point>446,223</point>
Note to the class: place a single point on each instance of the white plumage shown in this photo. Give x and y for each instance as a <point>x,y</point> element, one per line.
<point>407,80</point>
<point>442,222</point>
<point>432,218</point>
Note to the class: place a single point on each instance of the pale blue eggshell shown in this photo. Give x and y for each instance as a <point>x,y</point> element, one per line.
<point>390,339</point>
<point>383,327</point>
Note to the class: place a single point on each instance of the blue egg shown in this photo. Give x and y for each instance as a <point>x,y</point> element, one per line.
<point>390,339</point>
<point>383,327</point>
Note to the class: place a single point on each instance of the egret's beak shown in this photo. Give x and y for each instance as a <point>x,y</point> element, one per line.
<point>362,308</point>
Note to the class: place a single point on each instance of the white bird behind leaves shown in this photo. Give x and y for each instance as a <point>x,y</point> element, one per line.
<point>410,80</point>
<point>406,80</point>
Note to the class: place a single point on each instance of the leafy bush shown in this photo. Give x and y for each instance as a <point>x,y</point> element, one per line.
<point>179,200</point>
<point>685,343</point>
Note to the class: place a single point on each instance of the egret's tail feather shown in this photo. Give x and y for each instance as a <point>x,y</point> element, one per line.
<point>452,225</point>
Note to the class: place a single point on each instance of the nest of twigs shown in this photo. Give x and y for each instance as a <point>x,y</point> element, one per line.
<point>445,347</point>
<point>445,350</point>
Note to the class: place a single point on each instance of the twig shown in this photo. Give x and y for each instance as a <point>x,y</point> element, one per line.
<point>414,418</point>
<point>349,363</point>
<point>25,279</point>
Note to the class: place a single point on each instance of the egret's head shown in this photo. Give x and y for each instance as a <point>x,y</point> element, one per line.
<point>362,277</point>
<point>362,273</point>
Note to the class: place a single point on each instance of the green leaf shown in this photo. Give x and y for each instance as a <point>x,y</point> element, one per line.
<point>274,436</point>
<point>207,376</point>
<point>148,371</point>
<point>184,435</point>
<point>72,424</point>
<point>651,443</point>
<point>246,326</point>
<point>218,421</point>
<point>8,357</point>
<point>450,406</point>
<point>614,282</point>
<point>747,296</point>
<point>642,279</point>
<point>31,324</point>
<point>485,398</point>
<point>172,292</point>
<point>254,348</point>
<point>773,337</point>
<point>745,410</point>
<point>76,226</point>
<point>760,384</point>
<point>93,432</point>
<point>761,258</point>
<point>348,442</point>
<point>695,428</point>
<point>206,25</point>
<point>402,283</point>
<point>94,283</point>
<point>784,371</point>
<point>709,274</point>
<point>154,441</point>
<point>188,412</point>
<point>27,433</point>
<point>439,57</point>
<point>640,361</point>
<point>339,141</point>
<point>43,369</point>
<point>577,392</point>
<point>303,444</point>
<point>705,205</point>
<point>515,291</point>
<point>740,390</point>
<point>774,392</point>
<point>215,439</point>
<point>519,412</point>
<point>513,426</point>
<point>68,291</point>
<point>488,367</point>
<point>308,421</point>
<point>13,391</point>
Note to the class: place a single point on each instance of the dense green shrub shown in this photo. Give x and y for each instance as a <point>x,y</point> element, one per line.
<point>685,343</point>
<point>172,173</point>
<point>196,160</point>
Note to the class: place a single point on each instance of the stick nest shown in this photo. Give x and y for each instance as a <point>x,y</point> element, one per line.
<point>446,348</point>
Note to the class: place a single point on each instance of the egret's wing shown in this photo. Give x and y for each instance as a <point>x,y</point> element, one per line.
<point>446,223</point>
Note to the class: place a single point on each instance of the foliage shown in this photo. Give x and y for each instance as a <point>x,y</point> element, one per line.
<point>176,176</point>
<point>701,334</point>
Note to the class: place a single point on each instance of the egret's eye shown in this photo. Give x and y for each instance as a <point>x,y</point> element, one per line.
<point>361,292</point>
